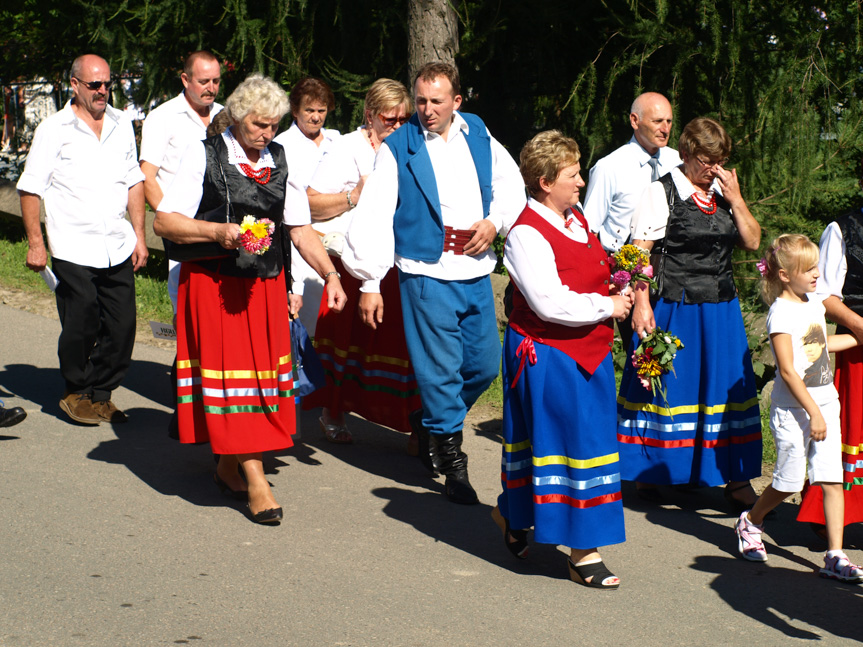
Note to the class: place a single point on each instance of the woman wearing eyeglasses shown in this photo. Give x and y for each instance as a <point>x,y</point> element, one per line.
<point>368,371</point>
<point>709,431</point>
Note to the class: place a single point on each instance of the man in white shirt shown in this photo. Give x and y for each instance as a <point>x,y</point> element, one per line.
<point>618,180</point>
<point>305,143</point>
<point>169,129</point>
<point>83,162</point>
<point>441,190</point>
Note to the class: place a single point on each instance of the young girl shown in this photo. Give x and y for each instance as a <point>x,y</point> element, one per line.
<point>804,412</point>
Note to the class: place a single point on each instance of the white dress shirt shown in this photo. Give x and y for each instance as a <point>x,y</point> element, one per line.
<point>370,245</point>
<point>167,132</point>
<point>350,158</point>
<point>529,259</point>
<point>651,213</point>
<point>617,182</point>
<point>185,193</point>
<point>85,181</point>
<point>303,156</point>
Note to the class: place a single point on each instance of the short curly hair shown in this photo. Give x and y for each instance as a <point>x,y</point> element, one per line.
<point>545,156</point>
<point>315,90</point>
<point>707,136</point>
<point>259,95</point>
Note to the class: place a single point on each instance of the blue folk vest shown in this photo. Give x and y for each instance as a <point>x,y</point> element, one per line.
<point>417,223</point>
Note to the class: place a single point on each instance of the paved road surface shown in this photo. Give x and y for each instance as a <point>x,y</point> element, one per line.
<point>118,537</point>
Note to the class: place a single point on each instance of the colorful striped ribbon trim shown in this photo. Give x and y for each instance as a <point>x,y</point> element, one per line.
<point>682,427</point>
<point>541,461</point>
<point>547,481</point>
<point>577,503</point>
<point>234,374</point>
<point>374,387</point>
<point>688,442</point>
<point>356,350</point>
<point>687,408</point>
<point>851,450</point>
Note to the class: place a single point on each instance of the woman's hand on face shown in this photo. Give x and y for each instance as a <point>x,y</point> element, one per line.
<point>642,319</point>
<point>727,180</point>
<point>622,305</point>
<point>227,234</point>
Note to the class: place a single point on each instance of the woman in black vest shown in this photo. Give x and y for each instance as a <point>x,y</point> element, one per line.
<point>709,431</point>
<point>234,374</point>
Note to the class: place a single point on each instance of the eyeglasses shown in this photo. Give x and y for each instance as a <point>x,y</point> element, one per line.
<point>721,162</point>
<point>95,85</point>
<point>389,122</point>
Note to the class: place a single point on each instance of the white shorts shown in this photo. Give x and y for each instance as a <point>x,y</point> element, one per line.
<point>790,427</point>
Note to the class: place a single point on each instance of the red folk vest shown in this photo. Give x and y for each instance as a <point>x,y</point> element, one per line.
<point>582,267</point>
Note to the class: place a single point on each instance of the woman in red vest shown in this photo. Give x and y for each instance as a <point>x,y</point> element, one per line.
<point>560,473</point>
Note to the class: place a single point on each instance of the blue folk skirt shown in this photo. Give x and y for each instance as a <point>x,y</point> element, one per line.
<point>560,458</point>
<point>709,432</point>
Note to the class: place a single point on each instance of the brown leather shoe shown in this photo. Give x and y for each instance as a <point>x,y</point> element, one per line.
<point>79,407</point>
<point>109,412</point>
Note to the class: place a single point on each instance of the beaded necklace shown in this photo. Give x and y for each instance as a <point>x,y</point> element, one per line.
<point>705,205</point>
<point>261,176</point>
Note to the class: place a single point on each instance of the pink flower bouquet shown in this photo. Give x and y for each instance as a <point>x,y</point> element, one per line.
<point>631,266</point>
<point>256,236</point>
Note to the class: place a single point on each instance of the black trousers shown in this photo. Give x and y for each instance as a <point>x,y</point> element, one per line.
<point>97,312</point>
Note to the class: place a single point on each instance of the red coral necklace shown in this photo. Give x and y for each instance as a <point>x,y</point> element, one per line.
<point>261,176</point>
<point>708,205</point>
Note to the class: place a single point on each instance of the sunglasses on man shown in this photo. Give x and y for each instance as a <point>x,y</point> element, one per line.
<point>95,85</point>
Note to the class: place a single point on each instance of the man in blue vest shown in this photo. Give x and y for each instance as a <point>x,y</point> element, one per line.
<point>441,191</point>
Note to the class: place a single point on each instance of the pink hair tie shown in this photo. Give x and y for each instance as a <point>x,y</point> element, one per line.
<point>762,266</point>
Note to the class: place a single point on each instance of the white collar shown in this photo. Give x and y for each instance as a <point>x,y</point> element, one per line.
<point>551,217</point>
<point>236,154</point>
<point>458,123</point>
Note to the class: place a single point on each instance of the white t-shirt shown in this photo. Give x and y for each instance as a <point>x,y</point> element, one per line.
<point>805,323</point>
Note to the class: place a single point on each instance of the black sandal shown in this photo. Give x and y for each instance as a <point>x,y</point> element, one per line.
<point>518,546</point>
<point>596,571</point>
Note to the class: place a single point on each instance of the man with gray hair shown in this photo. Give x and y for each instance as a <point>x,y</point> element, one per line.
<point>83,162</point>
<point>618,180</point>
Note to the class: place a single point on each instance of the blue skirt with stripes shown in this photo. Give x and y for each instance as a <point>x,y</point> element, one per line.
<point>559,469</point>
<point>709,433</point>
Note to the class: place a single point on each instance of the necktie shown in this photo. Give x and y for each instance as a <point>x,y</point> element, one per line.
<point>654,169</point>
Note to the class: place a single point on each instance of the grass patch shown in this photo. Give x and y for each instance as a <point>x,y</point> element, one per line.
<point>768,454</point>
<point>151,282</point>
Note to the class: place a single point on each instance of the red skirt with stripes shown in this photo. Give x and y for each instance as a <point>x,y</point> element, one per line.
<point>234,373</point>
<point>368,371</point>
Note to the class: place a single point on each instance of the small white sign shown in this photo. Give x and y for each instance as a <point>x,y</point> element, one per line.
<point>163,330</point>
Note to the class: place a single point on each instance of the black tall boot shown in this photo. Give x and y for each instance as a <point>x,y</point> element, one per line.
<point>451,461</point>
<point>423,452</point>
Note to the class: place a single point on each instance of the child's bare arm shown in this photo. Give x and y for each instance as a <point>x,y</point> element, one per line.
<point>838,343</point>
<point>784,353</point>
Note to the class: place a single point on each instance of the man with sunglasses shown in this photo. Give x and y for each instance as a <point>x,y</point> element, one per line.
<point>83,163</point>
<point>441,190</point>
<point>169,129</point>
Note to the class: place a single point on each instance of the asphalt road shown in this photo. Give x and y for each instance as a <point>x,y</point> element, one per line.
<point>118,536</point>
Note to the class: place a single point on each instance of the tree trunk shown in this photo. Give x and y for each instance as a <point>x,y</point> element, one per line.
<point>432,33</point>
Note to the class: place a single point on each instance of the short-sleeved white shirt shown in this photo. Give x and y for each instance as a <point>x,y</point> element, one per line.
<point>167,132</point>
<point>303,154</point>
<point>617,182</point>
<point>350,158</point>
<point>805,323</point>
<point>85,181</point>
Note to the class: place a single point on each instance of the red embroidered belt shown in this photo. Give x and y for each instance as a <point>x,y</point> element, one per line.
<point>454,240</point>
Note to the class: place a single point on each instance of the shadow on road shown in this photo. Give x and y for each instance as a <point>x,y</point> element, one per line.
<point>769,593</point>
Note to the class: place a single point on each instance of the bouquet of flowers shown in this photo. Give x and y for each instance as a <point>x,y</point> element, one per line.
<point>631,266</point>
<point>256,236</point>
<point>653,358</point>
